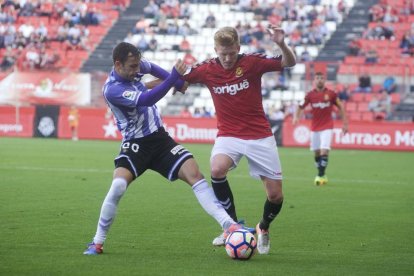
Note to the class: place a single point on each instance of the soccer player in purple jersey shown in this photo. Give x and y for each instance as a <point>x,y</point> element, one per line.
<point>146,144</point>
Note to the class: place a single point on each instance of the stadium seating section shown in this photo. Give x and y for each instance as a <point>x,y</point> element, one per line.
<point>390,61</point>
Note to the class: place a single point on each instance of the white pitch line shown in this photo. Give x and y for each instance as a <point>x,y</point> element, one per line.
<point>95,170</point>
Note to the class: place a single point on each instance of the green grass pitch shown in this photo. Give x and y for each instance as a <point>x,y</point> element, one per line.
<point>361,223</point>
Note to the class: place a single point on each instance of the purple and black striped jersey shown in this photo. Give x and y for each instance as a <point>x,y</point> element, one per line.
<point>133,120</point>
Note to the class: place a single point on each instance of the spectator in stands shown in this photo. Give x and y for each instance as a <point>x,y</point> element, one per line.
<point>210,21</point>
<point>305,55</point>
<point>344,94</point>
<point>390,15</point>
<point>185,10</point>
<point>141,27</point>
<point>171,8</point>
<point>142,44</point>
<point>281,83</point>
<point>371,56</point>
<point>354,47</point>
<point>185,29</point>
<point>26,29</point>
<point>381,32</point>
<point>41,30</point>
<point>406,45</point>
<point>153,44</point>
<point>189,59</point>
<point>197,113</point>
<point>185,113</point>
<point>9,35</point>
<point>364,84</point>
<point>380,104</point>
<point>205,113</point>
<point>173,27</point>
<point>20,41</point>
<point>8,59</point>
<point>376,13</point>
<point>120,5</point>
<point>27,9</point>
<point>151,10</point>
<point>32,58</point>
<point>50,60</point>
<point>184,45</point>
<point>276,114</point>
<point>390,85</point>
<point>90,17</point>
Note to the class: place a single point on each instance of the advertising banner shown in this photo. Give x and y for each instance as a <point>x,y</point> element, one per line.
<point>98,123</point>
<point>16,121</point>
<point>45,88</point>
<point>46,121</point>
<point>361,135</point>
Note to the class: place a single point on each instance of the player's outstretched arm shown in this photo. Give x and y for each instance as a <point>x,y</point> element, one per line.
<point>278,36</point>
<point>151,84</point>
<point>154,95</point>
<point>161,74</point>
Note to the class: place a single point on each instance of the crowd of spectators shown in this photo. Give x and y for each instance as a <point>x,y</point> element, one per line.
<point>386,14</point>
<point>28,27</point>
<point>304,21</point>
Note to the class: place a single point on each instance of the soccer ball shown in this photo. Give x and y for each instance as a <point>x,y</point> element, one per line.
<point>240,245</point>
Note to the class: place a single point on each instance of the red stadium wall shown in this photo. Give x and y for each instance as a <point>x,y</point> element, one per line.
<point>361,135</point>
<point>93,124</point>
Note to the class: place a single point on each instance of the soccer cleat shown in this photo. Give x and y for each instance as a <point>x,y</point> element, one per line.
<point>263,240</point>
<point>324,180</point>
<point>220,240</point>
<point>93,249</point>
<point>231,229</point>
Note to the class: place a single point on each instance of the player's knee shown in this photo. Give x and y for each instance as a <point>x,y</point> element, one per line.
<point>189,172</point>
<point>118,187</point>
<point>276,198</point>
<point>218,171</point>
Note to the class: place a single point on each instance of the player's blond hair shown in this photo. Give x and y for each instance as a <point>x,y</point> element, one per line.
<point>226,36</point>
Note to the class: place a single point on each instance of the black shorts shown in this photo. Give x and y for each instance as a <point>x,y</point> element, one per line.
<point>157,151</point>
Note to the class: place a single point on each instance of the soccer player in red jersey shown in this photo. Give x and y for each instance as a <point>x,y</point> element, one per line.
<point>234,81</point>
<point>322,101</point>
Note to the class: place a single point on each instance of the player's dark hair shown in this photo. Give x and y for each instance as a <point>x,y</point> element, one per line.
<point>318,73</point>
<point>123,50</point>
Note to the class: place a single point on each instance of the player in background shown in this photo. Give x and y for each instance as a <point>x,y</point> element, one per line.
<point>321,99</point>
<point>146,144</point>
<point>73,118</point>
<point>234,81</point>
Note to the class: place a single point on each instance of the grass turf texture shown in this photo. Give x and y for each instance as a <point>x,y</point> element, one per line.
<point>361,223</point>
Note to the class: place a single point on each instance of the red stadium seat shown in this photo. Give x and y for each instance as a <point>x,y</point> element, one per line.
<point>358,97</point>
<point>367,116</point>
<point>351,107</point>
<point>362,106</point>
<point>354,116</point>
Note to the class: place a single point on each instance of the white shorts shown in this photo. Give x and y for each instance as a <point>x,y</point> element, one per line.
<point>321,139</point>
<point>261,154</point>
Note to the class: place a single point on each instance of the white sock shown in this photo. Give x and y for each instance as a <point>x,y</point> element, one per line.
<point>210,203</point>
<point>108,210</point>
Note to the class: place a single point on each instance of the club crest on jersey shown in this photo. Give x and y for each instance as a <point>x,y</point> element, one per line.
<point>239,72</point>
<point>326,97</point>
<point>129,95</point>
